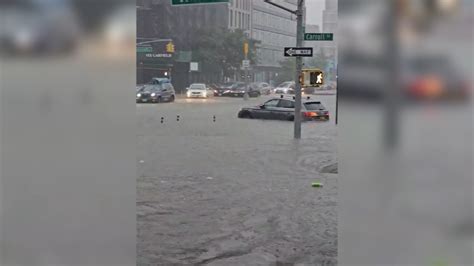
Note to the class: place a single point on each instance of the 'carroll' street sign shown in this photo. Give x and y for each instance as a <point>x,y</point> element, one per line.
<point>301,51</point>
<point>318,36</point>
<point>189,2</point>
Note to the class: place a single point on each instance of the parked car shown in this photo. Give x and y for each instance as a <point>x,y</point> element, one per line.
<point>283,108</point>
<point>199,90</point>
<point>219,91</point>
<point>287,87</point>
<point>263,87</point>
<point>239,90</point>
<point>156,91</point>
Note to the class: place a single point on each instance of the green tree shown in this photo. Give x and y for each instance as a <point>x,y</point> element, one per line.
<point>287,71</point>
<point>221,52</point>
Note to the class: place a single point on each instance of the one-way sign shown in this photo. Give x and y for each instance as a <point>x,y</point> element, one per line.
<point>301,51</point>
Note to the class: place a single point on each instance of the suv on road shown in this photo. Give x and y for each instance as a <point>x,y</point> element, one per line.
<point>156,91</point>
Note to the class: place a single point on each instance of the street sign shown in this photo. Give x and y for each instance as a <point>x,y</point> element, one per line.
<point>144,49</point>
<point>300,51</point>
<point>190,2</point>
<point>318,37</point>
<point>193,66</point>
<point>158,55</point>
<point>245,63</point>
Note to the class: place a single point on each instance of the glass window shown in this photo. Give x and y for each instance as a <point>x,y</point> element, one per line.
<point>314,106</point>
<point>286,104</point>
<point>197,87</point>
<point>272,103</point>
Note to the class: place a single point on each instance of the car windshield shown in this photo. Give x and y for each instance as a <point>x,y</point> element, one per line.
<point>197,87</point>
<point>314,106</point>
<point>238,86</point>
<point>285,85</point>
<point>152,88</point>
<point>158,81</point>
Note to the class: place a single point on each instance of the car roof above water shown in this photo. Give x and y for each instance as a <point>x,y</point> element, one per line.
<point>303,99</point>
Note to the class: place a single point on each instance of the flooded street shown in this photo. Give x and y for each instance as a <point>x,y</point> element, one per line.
<point>234,191</point>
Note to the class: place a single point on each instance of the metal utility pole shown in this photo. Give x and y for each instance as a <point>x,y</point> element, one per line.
<point>299,62</point>
<point>246,53</point>
<point>392,98</point>
<point>299,66</point>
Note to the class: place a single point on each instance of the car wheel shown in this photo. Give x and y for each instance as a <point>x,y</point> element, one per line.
<point>291,118</point>
<point>172,98</point>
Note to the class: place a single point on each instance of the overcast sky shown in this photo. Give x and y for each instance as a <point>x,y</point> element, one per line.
<point>314,12</point>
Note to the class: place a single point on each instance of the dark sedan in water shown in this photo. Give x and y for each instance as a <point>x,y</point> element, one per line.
<point>283,108</point>
<point>220,89</point>
<point>239,89</point>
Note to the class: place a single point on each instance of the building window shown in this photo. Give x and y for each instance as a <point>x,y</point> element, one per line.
<point>235,19</point>
<point>238,19</point>
<point>231,18</point>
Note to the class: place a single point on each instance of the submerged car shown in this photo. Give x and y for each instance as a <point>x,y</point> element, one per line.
<point>283,108</point>
<point>199,90</point>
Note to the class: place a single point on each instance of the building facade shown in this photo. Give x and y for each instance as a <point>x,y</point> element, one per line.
<point>240,15</point>
<point>330,18</point>
<point>274,29</point>
<point>159,19</point>
<point>330,26</point>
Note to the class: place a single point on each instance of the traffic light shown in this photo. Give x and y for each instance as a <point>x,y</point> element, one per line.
<point>170,47</point>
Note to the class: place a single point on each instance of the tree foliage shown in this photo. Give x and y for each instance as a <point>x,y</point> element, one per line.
<point>221,51</point>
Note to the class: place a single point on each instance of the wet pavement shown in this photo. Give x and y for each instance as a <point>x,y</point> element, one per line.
<point>213,189</point>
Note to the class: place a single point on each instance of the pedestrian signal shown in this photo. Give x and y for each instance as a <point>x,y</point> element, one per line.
<point>311,78</point>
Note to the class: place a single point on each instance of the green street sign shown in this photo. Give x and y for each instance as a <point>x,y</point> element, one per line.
<point>144,49</point>
<point>318,36</point>
<point>190,2</point>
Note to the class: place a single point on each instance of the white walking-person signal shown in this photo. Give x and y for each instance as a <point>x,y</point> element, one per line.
<point>320,79</point>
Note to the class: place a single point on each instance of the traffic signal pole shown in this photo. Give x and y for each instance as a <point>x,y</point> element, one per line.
<point>299,62</point>
<point>299,66</point>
